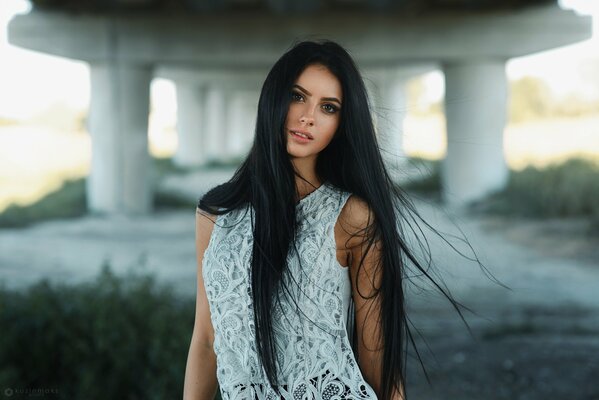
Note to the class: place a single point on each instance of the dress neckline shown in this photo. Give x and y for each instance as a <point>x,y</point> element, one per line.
<point>312,200</point>
<point>311,194</point>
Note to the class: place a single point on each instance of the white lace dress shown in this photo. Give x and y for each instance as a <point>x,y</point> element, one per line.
<point>315,358</point>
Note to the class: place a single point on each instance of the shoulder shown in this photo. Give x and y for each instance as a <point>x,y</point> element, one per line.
<point>204,226</point>
<point>355,217</point>
<point>356,211</point>
<point>203,215</point>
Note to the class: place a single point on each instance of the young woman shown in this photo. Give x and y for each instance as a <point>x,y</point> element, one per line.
<point>301,256</point>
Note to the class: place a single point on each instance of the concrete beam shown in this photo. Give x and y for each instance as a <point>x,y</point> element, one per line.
<point>292,6</point>
<point>233,77</point>
<point>255,39</point>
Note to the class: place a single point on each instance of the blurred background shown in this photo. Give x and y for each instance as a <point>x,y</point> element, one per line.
<point>116,116</point>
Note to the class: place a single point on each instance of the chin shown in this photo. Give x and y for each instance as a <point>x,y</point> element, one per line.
<point>297,154</point>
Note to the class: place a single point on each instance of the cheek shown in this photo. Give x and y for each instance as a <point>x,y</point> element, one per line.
<point>293,113</point>
<point>329,127</point>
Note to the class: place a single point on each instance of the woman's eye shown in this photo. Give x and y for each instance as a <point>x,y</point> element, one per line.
<point>331,108</point>
<point>296,96</point>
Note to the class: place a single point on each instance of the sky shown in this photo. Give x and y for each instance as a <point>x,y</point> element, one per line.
<point>30,81</point>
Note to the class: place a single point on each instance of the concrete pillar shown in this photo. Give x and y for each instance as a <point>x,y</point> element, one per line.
<point>120,180</point>
<point>372,90</point>
<point>243,106</point>
<point>213,123</point>
<point>216,122</point>
<point>191,149</point>
<point>392,113</point>
<point>476,97</point>
<point>216,113</point>
<point>225,152</point>
<point>387,92</point>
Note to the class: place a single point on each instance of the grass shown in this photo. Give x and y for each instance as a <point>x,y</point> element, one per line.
<point>566,189</point>
<point>431,184</point>
<point>114,337</point>
<point>166,166</point>
<point>70,200</point>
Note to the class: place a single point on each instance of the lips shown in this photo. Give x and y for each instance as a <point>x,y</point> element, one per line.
<point>309,136</point>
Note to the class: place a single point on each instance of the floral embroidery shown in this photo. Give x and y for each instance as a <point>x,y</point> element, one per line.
<point>315,358</point>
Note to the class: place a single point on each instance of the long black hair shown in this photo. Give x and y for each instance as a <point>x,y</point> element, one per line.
<point>352,162</point>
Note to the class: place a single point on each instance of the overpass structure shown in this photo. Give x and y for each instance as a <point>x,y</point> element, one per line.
<point>218,53</point>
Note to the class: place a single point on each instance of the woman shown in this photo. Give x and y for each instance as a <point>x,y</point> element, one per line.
<point>301,252</point>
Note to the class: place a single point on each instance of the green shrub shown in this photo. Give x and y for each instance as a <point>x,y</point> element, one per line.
<point>567,189</point>
<point>167,200</point>
<point>431,184</point>
<point>166,166</point>
<point>68,201</point>
<point>112,338</point>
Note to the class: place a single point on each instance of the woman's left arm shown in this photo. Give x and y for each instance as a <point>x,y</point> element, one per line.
<point>366,279</point>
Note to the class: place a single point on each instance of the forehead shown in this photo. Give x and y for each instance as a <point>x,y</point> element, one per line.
<point>319,81</point>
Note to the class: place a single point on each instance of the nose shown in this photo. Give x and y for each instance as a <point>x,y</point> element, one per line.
<point>307,120</point>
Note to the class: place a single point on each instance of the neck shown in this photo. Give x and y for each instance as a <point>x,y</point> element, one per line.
<point>306,168</point>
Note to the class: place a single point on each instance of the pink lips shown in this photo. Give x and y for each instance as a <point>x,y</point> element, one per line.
<point>298,138</point>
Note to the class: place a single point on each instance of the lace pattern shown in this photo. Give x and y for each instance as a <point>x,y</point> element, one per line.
<point>315,357</point>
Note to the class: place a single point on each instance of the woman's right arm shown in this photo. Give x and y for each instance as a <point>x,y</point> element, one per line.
<point>200,372</point>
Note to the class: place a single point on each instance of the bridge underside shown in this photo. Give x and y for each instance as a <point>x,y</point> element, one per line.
<point>218,53</point>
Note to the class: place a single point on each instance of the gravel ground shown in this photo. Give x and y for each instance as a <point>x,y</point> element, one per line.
<point>512,366</point>
<point>537,340</point>
<point>540,341</point>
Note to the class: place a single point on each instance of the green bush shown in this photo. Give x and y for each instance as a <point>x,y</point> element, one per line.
<point>567,189</point>
<point>169,201</point>
<point>570,188</point>
<point>68,201</point>
<point>166,166</point>
<point>112,338</point>
<point>431,184</point>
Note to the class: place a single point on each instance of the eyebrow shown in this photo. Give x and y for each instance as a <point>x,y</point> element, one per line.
<point>310,94</point>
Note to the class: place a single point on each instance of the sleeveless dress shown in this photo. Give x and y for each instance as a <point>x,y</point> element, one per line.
<point>313,339</point>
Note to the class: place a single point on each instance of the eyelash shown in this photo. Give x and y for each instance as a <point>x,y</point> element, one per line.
<point>334,109</point>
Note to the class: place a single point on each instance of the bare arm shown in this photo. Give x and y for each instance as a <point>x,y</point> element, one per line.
<point>200,372</point>
<point>356,217</point>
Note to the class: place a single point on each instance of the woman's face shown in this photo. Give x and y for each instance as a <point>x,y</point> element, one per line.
<point>315,110</point>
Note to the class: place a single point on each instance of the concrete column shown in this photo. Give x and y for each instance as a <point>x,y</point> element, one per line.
<point>215,126</point>
<point>120,180</point>
<point>372,90</point>
<point>225,152</point>
<point>387,91</point>
<point>191,149</point>
<point>392,113</point>
<point>216,122</point>
<point>243,105</point>
<point>476,97</point>
<point>251,112</point>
